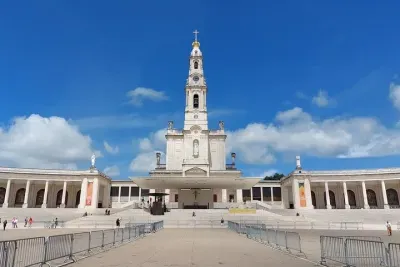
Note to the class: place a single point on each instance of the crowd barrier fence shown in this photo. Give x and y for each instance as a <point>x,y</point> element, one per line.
<point>60,249</point>
<point>359,251</point>
<point>287,240</point>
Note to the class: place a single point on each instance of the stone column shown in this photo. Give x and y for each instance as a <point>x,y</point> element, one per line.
<point>84,185</point>
<point>223,195</point>
<point>307,189</point>
<point>328,200</point>
<point>346,196</point>
<point>26,198</point>
<point>140,195</point>
<point>364,190</point>
<point>251,194</point>
<point>46,192</point>
<point>385,200</point>
<point>119,194</point>
<point>239,196</point>
<point>130,193</point>
<point>64,193</point>
<point>95,194</point>
<point>295,193</point>
<point>285,197</point>
<point>272,194</point>
<point>7,195</point>
<point>262,194</point>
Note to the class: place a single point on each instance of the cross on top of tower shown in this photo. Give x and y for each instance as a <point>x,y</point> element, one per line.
<point>195,34</point>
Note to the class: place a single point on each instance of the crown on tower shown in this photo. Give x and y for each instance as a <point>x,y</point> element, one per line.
<point>195,43</point>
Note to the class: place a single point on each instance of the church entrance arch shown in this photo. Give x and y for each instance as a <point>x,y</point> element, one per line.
<point>371,197</point>
<point>39,197</point>
<point>78,198</point>
<point>352,198</point>
<point>2,195</point>
<point>392,197</point>
<point>332,199</point>
<point>59,198</point>
<point>19,197</point>
<point>313,199</point>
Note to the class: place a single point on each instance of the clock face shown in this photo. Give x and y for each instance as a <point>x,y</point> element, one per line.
<point>196,79</point>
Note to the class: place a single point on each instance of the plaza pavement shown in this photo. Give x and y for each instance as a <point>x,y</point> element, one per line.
<point>193,247</point>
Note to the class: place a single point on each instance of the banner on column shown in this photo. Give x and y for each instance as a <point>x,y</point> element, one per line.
<point>89,194</point>
<point>302,192</point>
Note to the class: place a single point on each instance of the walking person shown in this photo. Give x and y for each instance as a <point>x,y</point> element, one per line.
<point>30,221</point>
<point>222,221</point>
<point>55,223</point>
<point>4,225</point>
<point>389,228</point>
<point>26,221</point>
<point>117,223</point>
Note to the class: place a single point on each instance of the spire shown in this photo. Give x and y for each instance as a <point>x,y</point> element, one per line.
<point>195,43</point>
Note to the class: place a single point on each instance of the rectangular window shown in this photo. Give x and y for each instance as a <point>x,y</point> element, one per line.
<point>215,198</point>
<point>256,193</point>
<point>246,195</point>
<point>134,191</point>
<point>124,191</point>
<point>267,193</point>
<point>114,191</point>
<point>176,198</point>
<point>277,193</point>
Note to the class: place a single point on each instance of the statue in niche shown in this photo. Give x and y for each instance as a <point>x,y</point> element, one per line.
<point>170,125</point>
<point>196,148</point>
<point>221,125</point>
<point>158,158</point>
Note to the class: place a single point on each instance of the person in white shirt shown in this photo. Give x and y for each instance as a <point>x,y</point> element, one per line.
<point>389,228</point>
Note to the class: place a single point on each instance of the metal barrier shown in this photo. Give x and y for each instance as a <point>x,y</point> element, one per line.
<point>60,249</point>
<point>289,241</point>
<point>359,251</point>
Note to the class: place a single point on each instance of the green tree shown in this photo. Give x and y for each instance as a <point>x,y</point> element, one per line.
<point>276,176</point>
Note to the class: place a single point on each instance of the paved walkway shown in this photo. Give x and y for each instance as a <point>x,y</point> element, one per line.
<point>193,247</point>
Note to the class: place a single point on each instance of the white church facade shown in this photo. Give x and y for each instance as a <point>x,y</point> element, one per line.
<point>196,174</point>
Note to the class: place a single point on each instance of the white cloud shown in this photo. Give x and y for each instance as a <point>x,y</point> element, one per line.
<point>138,95</point>
<point>322,99</point>
<point>112,171</point>
<point>110,149</point>
<point>37,142</point>
<point>145,160</point>
<point>394,95</point>
<point>295,131</point>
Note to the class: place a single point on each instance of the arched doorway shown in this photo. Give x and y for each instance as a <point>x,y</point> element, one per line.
<point>19,197</point>
<point>2,195</point>
<point>392,197</point>
<point>332,199</point>
<point>78,198</point>
<point>59,198</point>
<point>313,200</point>
<point>39,197</point>
<point>352,198</point>
<point>371,197</point>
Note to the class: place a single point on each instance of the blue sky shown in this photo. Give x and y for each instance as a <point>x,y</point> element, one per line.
<point>310,78</point>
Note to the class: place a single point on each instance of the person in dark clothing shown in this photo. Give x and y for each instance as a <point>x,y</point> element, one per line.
<point>4,224</point>
<point>56,223</point>
<point>118,222</point>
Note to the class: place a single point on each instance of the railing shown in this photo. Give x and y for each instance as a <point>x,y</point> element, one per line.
<point>359,251</point>
<point>289,241</point>
<point>195,223</point>
<point>62,249</point>
<point>161,167</point>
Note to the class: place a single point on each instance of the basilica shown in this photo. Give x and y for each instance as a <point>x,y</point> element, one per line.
<point>196,175</point>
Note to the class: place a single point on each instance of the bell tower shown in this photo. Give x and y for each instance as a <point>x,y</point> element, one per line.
<point>196,90</point>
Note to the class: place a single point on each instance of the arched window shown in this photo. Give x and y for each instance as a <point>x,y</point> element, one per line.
<point>196,65</point>
<point>196,101</point>
<point>39,197</point>
<point>371,197</point>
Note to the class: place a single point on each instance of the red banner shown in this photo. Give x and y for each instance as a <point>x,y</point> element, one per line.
<point>303,201</point>
<point>89,194</point>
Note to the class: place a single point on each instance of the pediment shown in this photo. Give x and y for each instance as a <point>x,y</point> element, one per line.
<point>196,171</point>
